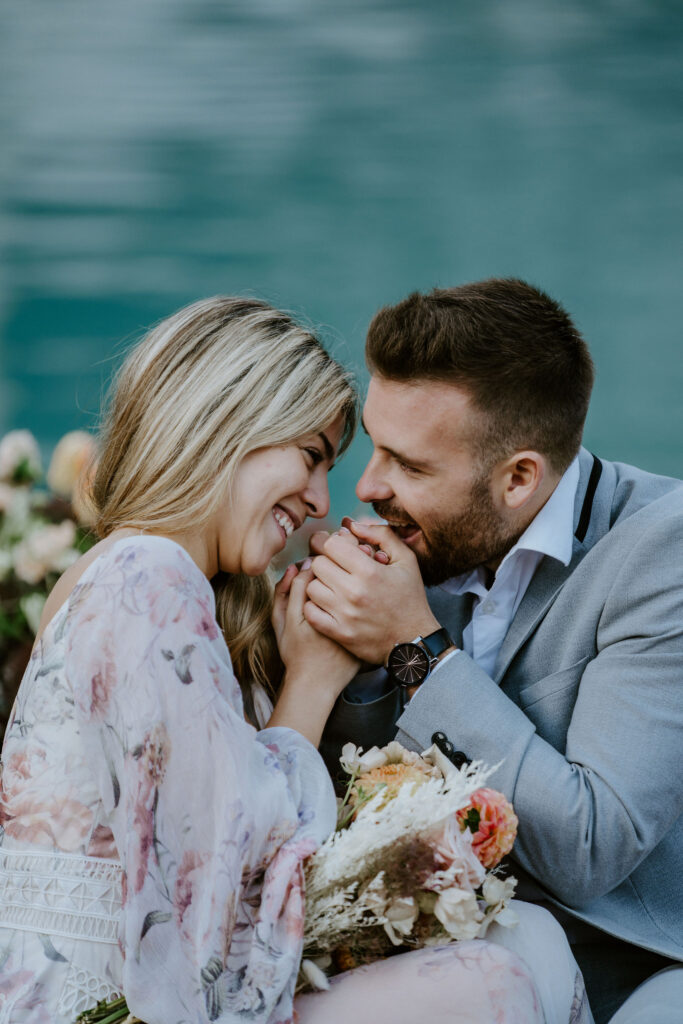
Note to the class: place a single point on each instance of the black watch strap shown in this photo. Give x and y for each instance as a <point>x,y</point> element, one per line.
<point>436,643</point>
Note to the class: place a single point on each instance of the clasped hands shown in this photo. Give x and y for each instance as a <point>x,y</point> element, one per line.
<point>366,592</point>
<point>359,594</point>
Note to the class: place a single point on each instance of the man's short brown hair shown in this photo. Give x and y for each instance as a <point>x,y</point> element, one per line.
<point>510,346</point>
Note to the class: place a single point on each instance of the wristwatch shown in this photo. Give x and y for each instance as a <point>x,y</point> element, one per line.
<point>410,663</point>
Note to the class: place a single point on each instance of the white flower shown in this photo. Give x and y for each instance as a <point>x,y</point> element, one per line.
<point>498,892</point>
<point>15,502</point>
<point>354,760</point>
<point>32,606</point>
<point>396,753</point>
<point>400,915</point>
<point>460,863</point>
<point>48,548</point>
<point>19,452</point>
<point>315,977</point>
<point>6,497</point>
<point>459,913</point>
<point>437,757</point>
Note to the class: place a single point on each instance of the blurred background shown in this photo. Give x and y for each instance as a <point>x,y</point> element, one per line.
<point>331,158</point>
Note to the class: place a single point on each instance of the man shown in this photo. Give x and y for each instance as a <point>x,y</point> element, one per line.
<point>552,622</point>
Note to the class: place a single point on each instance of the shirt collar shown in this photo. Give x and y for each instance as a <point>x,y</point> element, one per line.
<point>550,532</point>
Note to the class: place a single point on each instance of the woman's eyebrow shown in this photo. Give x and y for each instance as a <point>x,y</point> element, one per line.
<point>329,450</point>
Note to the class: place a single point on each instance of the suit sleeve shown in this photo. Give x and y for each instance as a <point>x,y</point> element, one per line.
<point>591,813</point>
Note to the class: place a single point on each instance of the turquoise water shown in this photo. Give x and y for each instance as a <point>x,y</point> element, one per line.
<point>330,158</point>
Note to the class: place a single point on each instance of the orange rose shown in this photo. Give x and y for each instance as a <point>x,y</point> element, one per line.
<point>493,824</point>
<point>390,778</point>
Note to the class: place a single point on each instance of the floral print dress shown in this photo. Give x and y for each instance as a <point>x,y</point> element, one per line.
<point>152,840</point>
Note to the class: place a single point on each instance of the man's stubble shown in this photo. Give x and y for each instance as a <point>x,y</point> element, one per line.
<point>476,535</point>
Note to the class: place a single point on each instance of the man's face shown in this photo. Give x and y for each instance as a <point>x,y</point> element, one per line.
<point>424,479</point>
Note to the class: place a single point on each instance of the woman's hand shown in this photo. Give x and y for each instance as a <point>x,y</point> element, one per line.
<point>316,669</point>
<point>304,651</point>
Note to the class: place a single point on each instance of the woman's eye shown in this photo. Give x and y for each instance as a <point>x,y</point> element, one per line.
<point>315,454</point>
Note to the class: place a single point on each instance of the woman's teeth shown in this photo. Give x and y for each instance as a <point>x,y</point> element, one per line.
<point>284,521</point>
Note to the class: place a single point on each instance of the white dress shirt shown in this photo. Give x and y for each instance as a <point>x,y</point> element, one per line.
<point>550,533</point>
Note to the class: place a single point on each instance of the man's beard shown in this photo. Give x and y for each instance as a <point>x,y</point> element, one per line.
<point>474,536</point>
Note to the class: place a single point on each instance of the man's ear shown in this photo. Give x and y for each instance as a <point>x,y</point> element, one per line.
<point>520,479</point>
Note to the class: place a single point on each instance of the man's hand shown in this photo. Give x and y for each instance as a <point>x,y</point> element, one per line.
<point>367,604</point>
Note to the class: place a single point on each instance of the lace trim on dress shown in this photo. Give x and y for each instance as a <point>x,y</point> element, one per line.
<point>60,894</point>
<point>83,990</point>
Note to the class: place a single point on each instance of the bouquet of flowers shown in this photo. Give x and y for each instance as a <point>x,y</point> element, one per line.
<point>41,533</point>
<point>412,862</point>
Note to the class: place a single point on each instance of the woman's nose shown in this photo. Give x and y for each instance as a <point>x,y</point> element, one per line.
<point>317,498</point>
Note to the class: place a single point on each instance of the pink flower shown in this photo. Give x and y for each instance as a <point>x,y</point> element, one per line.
<point>282,897</point>
<point>98,674</point>
<point>156,748</point>
<point>102,843</point>
<point>177,600</point>
<point>190,916</point>
<point>70,460</point>
<point>146,770</point>
<point>19,991</point>
<point>33,813</point>
<point>493,824</point>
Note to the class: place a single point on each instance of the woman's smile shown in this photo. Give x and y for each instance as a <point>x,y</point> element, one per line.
<point>285,521</point>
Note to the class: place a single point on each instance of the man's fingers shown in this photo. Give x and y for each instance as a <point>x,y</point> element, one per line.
<point>380,536</point>
<point>330,573</point>
<point>321,595</point>
<point>347,556</point>
<point>321,621</point>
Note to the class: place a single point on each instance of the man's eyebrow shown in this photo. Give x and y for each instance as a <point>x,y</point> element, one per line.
<point>417,463</point>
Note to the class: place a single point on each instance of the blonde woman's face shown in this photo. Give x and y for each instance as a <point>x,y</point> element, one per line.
<point>275,490</point>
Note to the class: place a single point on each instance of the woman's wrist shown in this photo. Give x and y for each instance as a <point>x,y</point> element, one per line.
<point>303,704</point>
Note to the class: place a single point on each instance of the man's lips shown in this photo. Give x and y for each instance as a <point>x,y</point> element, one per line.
<point>406,531</point>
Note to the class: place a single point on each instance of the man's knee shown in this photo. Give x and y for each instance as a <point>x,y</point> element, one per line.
<point>659,999</point>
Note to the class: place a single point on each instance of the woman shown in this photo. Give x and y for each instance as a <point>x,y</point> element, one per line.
<point>153,838</point>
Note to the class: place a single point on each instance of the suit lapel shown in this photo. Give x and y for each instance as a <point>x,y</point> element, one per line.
<point>551,575</point>
<point>452,611</point>
<point>541,592</point>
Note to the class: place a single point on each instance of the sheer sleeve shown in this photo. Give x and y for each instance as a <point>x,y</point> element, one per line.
<point>211,818</point>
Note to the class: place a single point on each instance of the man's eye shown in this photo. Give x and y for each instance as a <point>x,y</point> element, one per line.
<point>406,468</point>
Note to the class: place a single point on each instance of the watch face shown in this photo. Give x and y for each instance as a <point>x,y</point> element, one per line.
<point>408,664</point>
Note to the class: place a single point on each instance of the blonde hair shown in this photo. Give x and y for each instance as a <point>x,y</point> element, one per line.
<point>205,387</point>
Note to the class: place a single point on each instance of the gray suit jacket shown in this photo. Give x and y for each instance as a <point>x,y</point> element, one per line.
<point>585,709</point>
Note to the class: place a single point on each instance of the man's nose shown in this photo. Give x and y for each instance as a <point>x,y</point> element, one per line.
<point>372,486</point>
